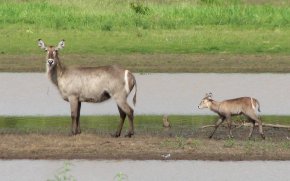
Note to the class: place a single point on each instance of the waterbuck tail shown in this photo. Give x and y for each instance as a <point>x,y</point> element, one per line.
<point>130,83</point>
<point>135,94</point>
<point>257,103</point>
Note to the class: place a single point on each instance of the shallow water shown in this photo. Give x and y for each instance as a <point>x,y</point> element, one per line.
<point>158,93</point>
<point>84,170</point>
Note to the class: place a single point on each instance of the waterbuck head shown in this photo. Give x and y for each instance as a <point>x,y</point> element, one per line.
<point>52,53</point>
<point>206,101</point>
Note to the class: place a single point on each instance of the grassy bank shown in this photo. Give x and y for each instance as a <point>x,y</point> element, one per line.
<point>124,27</point>
<point>149,36</point>
<point>144,124</point>
<point>111,15</point>
<point>47,138</point>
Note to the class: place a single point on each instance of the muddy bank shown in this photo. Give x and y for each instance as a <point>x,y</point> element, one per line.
<point>147,147</point>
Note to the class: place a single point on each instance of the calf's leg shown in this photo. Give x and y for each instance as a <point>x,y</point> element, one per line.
<point>217,124</point>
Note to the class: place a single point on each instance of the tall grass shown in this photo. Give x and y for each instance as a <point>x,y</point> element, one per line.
<point>119,15</point>
<point>163,26</point>
<point>181,125</point>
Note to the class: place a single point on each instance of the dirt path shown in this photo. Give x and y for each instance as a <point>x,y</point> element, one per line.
<point>142,147</point>
<point>217,63</point>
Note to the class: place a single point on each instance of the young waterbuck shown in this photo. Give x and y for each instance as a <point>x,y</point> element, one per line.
<point>90,84</point>
<point>244,105</point>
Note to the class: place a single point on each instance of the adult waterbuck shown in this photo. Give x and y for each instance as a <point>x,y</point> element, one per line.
<point>246,106</point>
<point>90,84</point>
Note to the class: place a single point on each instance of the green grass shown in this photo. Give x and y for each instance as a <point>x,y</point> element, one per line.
<point>120,27</point>
<point>199,39</point>
<point>122,15</point>
<point>182,125</point>
<point>95,124</point>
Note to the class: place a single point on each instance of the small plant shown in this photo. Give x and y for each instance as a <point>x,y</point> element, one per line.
<point>63,173</point>
<point>121,176</point>
<point>139,8</point>
<point>107,26</point>
<point>286,144</point>
<point>180,142</point>
<point>195,143</point>
<point>229,143</point>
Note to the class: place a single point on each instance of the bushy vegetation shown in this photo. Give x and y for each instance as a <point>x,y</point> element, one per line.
<point>164,26</point>
<point>124,15</point>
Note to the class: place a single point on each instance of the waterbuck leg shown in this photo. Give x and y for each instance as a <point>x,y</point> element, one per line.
<point>131,123</point>
<point>217,124</point>
<point>74,114</point>
<point>122,119</point>
<point>130,113</point>
<point>260,128</point>
<point>257,120</point>
<point>251,129</point>
<point>229,121</point>
<point>78,118</point>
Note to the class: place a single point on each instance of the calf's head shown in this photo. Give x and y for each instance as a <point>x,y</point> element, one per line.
<point>206,101</point>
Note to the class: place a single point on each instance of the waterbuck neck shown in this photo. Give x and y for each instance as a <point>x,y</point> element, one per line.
<point>56,72</point>
<point>214,106</point>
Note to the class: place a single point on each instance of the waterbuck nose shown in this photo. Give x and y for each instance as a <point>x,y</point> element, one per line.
<point>50,61</point>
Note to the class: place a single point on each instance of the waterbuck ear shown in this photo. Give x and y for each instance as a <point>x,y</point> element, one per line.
<point>41,44</point>
<point>208,95</point>
<point>60,45</point>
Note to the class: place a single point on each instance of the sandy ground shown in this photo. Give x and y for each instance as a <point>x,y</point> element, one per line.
<point>146,147</point>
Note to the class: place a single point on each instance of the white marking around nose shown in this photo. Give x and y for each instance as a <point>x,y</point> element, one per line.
<point>50,59</point>
<point>126,82</point>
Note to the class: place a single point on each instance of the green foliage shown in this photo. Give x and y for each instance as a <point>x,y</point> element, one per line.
<point>122,27</point>
<point>178,143</point>
<point>121,177</point>
<point>286,144</point>
<point>229,143</point>
<point>139,8</point>
<point>182,125</point>
<point>95,15</point>
<point>63,174</point>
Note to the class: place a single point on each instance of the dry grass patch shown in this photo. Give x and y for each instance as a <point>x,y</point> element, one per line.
<point>143,63</point>
<point>90,146</point>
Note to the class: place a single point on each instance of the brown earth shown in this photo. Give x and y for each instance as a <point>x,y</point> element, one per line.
<point>148,147</point>
<point>194,63</point>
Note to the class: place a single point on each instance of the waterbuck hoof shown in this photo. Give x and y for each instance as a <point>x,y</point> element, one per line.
<point>73,133</point>
<point>231,136</point>
<point>263,136</point>
<point>115,135</point>
<point>79,132</point>
<point>129,135</point>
